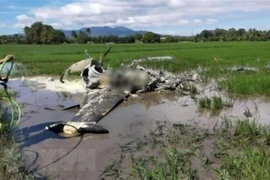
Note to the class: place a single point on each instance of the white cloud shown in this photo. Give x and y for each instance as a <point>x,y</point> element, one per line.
<point>139,13</point>
<point>23,20</point>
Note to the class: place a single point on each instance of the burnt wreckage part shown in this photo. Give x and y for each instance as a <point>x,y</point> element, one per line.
<point>108,88</point>
<point>76,128</point>
<point>100,103</point>
<point>78,67</point>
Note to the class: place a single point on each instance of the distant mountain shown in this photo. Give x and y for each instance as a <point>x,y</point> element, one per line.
<point>106,31</point>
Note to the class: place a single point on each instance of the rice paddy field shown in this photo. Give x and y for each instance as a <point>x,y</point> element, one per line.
<point>237,148</point>
<point>50,59</point>
<point>213,60</point>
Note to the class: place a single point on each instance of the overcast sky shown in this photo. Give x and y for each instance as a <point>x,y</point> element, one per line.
<point>178,17</point>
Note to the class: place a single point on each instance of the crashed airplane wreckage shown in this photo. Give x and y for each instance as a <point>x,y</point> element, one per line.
<point>108,88</point>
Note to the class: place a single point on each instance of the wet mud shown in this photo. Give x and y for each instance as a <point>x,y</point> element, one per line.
<point>86,157</point>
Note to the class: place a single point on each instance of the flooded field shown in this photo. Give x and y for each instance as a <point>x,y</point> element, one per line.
<point>215,127</point>
<point>132,122</point>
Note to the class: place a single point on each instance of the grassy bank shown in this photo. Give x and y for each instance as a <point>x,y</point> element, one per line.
<point>12,164</point>
<point>238,149</point>
<point>11,161</point>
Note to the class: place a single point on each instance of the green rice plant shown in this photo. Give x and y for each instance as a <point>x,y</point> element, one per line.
<point>249,164</point>
<point>248,129</point>
<point>205,103</point>
<point>176,165</point>
<point>187,55</point>
<point>248,113</point>
<point>238,149</point>
<point>243,150</point>
<point>245,84</point>
<point>217,103</point>
<point>54,59</point>
<point>244,129</point>
<point>111,170</point>
<point>214,104</point>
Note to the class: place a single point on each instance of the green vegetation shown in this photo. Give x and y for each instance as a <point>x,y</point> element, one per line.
<point>233,34</point>
<point>251,151</point>
<point>12,164</point>
<point>40,33</point>
<point>247,113</point>
<point>150,37</point>
<point>215,60</point>
<point>237,149</point>
<point>246,84</point>
<point>234,150</point>
<point>52,36</point>
<point>215,104</point>
<point>187,55</point>
<point>176,166</point>
<point>11,161</point>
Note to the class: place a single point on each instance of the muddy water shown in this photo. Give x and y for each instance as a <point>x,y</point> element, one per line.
<point>8,66</point>
<point>86,157</point>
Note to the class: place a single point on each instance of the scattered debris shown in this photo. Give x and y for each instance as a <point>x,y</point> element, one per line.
<point>157,58</point>
<point>81,66</point>
<point>217,58</point>
<point>241,68</point>
<point>108,88</point>
<point>50,79</point>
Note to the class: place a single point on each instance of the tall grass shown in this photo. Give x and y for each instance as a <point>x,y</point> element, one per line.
<point>248,84</point>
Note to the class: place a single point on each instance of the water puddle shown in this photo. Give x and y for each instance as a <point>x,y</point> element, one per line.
<point>83,157</point>
<point>16,66</point>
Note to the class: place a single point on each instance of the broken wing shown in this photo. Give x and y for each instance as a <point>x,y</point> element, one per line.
<point>99,104</point>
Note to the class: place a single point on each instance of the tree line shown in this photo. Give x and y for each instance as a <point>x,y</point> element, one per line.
<point>233,35</point>
<point>39,33</point>
<point>84,37</point>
